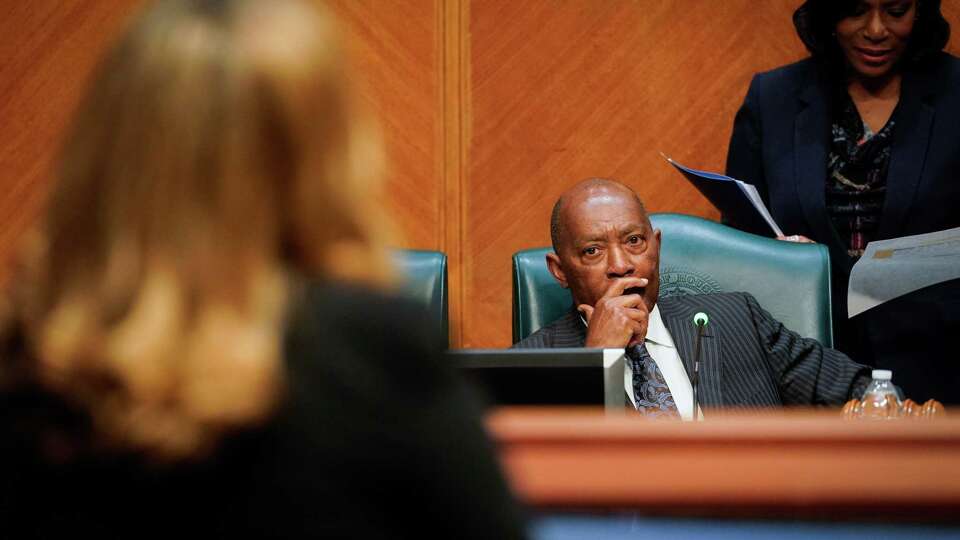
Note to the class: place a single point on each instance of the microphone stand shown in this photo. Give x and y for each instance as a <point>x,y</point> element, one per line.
<point>700,320</point>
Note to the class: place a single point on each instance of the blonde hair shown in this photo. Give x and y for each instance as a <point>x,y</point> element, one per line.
<point>217,154</point>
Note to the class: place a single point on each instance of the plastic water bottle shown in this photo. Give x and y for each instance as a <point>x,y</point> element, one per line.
<point>881,400</point>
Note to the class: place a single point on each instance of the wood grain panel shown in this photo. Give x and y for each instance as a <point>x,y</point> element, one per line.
<point>48,48</point>
<point>395,49</point>
<point>562,90</point>
<point>407,54</point>
<point>799,462</point>
<point>47,51</point>
<point>455,19</point>
<point>951,11</point>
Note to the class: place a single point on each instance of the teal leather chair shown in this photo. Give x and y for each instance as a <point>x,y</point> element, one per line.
<point>424,279</point>
<point>790,280</point>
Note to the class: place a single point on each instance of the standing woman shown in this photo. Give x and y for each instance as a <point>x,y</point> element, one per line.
<point>198,343</point>
<point>861,142</point>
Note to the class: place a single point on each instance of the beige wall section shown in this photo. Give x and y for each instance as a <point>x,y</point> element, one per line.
<point>490,108</point>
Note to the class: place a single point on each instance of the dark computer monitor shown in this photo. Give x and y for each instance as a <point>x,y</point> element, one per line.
<point>545,376</point>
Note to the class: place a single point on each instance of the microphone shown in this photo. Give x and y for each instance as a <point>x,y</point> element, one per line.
<point>700,320</point>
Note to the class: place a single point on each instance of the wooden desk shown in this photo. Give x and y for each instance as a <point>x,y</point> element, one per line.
<point>807,462</point>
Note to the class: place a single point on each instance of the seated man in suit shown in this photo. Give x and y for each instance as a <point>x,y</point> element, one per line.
<point>607,253</point>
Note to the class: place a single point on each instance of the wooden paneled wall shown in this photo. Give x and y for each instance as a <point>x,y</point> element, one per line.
<point>47,50</point>
<point>490,109</point>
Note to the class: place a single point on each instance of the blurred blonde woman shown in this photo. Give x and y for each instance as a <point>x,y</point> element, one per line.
<point>193,342</point>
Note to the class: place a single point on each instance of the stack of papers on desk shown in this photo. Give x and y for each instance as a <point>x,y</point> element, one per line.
<point>895,267</point>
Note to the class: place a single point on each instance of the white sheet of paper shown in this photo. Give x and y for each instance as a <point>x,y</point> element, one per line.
<point>751,192</point>
<point>895,267</point>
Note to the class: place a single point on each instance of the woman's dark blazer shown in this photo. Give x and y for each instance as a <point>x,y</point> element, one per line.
<point>780,144</point>
<point>377,437</point>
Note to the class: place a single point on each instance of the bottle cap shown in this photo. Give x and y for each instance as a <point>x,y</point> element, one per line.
<point>882,374</point>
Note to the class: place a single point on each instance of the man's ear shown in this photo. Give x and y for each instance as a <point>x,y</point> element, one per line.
<point>556,269</point>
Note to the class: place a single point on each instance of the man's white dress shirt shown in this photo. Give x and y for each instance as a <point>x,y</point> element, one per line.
<point>660,345</point>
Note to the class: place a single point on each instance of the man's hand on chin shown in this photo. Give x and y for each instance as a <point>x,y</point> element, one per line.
<point>617,320</point>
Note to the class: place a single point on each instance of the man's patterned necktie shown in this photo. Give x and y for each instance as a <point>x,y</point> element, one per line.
<point>650,391</point>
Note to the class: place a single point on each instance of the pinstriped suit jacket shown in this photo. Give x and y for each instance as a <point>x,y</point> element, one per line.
<point>749,358</point>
